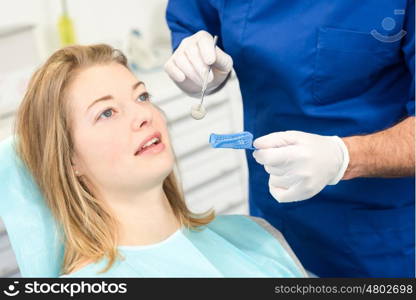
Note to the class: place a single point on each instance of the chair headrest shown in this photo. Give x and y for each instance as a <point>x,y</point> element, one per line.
<point>32,230</point>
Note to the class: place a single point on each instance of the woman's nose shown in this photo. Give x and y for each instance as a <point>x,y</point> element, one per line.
<point>142,119</point>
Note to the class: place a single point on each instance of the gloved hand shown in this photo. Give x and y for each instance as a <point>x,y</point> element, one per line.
<point>188,64</point>
<point>300,164</point>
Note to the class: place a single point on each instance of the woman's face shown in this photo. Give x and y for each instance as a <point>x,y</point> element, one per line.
<point>111,117</point>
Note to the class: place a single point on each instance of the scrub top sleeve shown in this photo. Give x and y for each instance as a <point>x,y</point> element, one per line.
<point>408,49</point>
<point>185,18</point>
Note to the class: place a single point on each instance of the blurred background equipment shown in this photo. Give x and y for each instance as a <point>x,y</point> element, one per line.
<point>65,26</point>
<point>141,57</point>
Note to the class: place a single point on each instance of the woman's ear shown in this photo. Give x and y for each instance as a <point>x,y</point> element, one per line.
<point>76,167</point>
<point>76,171</point>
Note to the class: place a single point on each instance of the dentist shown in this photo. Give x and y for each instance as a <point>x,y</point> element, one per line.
<point>328,89</point>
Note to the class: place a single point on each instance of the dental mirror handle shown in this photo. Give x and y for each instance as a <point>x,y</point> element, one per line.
<point>205,83</point>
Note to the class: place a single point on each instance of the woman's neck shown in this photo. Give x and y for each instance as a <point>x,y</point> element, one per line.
<point>144,219</point>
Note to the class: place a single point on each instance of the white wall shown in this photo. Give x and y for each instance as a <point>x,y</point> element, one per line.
<point>94,20</point>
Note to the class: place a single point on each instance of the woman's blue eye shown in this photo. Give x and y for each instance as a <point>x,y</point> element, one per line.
<point>106,114</point>
<point>144,97</point>
<point>109,112</point>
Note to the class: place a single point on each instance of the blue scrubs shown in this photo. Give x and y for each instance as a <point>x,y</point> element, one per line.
<point>314,66</point>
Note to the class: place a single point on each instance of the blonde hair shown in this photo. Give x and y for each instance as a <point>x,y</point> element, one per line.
<point>45,146</point>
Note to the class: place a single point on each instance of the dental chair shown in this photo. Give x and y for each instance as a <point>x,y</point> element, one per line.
<point>33,232</point>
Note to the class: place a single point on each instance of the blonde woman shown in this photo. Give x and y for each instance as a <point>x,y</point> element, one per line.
<point>100,152</point>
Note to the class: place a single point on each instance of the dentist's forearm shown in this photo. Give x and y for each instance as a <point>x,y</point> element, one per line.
<point>387,153</point>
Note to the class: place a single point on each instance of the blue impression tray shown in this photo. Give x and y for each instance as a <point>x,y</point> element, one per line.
<point>241,140</point>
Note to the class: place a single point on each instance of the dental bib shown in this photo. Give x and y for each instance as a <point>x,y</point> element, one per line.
<point>229,246</point>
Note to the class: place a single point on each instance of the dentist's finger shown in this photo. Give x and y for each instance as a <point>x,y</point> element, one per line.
<point>205,43</point>
<point>174,72</point>
<point>277,171</point>
<point>275,139</point>
<point>277,157</point>
<point>194,56</point>
<point>182,62</point>
<point>223,61</point>
<point>214,56</point>
<point>275,192</point>
<point>292,194</point>
<point>281,181</point>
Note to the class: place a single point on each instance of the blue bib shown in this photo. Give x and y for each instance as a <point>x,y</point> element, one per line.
<point>230,246</point>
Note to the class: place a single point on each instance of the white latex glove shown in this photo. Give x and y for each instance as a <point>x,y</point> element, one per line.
<point>188,64</point>
<point>300,164</point>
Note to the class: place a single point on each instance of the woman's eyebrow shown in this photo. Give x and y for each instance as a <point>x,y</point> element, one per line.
<point>110,97</point>
<point>137,84</point>
<point>107,97</point>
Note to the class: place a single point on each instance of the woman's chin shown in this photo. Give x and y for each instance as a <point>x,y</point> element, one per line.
<point>158,170</point>
<point>156,157</point>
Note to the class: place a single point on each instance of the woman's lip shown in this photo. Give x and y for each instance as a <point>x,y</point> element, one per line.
<point>156,134</point>
<point>154,149</point>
